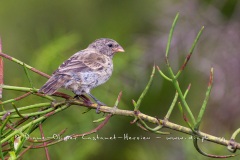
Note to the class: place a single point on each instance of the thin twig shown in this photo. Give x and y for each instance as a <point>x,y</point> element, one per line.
<point>163,75</point>
<point>100,126</point>
<point>195,142</point>
<point>16,99</point>
<point>25,150</point>
<point>190,52</point>
<point>38,105</point>
<point>204,105</point>
<point>20,115</point>
<point>22,96</point>
<point>21,63</point>
<point>171,107</point>
<point>136,107</point>
<point>44,143</point>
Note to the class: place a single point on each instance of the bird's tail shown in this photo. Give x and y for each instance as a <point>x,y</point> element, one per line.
<point>53,84</point>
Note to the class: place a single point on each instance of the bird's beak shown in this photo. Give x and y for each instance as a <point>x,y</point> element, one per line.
<point>119,49</point>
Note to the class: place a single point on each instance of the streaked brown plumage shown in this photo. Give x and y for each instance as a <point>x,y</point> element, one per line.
<point>85,69</point>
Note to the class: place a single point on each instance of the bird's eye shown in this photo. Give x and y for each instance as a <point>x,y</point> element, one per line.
<point>110,45</point>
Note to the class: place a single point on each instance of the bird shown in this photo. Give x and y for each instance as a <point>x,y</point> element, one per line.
<point>85,70</point>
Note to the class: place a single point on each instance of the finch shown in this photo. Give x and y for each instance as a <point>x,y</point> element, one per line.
<point>85,69</point>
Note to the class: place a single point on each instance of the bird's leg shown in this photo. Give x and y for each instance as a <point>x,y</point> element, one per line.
<point>76,96</point>
<point>84,98</point>
<point>98,102</point>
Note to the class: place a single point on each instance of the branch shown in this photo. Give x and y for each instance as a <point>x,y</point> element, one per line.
<point>44,143</point>
<point>115,111</point>
<point>150,119</point>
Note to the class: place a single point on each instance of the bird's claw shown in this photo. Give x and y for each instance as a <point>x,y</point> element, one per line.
<point>99,105</point>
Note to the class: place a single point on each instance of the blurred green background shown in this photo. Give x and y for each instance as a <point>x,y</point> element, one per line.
<point>45,33</point>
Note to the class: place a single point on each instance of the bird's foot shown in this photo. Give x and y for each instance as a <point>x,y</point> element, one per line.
<point>99,105</point>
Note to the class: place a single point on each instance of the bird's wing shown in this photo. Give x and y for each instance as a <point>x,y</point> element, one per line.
<point>82,62</point>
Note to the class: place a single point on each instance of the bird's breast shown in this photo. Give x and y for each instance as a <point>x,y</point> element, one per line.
<point>97,76</point>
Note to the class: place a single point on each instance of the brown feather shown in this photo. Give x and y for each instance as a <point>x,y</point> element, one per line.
<point>53,84</point>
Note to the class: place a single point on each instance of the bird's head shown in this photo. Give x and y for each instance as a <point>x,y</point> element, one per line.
<point>106,46</point>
